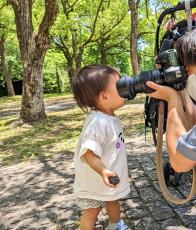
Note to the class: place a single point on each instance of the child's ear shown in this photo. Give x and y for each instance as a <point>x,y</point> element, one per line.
<point>102,96</point>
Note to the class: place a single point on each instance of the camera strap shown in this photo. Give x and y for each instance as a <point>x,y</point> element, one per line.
<point>159,165</point>
<point>188,14</point>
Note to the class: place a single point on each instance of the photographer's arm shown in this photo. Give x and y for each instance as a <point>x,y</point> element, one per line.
<point>175,130</point>
<point>175,126</point>
<point>189,105</point>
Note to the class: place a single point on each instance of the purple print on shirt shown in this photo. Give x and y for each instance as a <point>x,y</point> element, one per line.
<point>121,140</point>
<point>117,145</point>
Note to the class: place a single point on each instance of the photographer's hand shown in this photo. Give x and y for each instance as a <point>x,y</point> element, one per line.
<point>170,95</point>
<point>162,92</point>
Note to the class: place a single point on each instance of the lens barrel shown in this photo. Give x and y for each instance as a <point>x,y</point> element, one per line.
<point>128,87</point>
<point>171,74</point>
<point>125,87</point>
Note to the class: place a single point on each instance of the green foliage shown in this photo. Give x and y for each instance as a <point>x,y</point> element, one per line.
<point>13,57</point>
<point>55,62</point>
<point>8,31</point>
<point>108,36</point>
<point>7,24</point>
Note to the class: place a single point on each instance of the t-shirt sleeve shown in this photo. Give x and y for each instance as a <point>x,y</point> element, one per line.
<point>92,139</point>
<point>186,144</point>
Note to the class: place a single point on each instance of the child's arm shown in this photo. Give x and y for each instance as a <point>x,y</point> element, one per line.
<point>95,163</point>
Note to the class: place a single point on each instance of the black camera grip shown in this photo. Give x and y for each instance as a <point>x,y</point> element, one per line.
<point>114,180</point>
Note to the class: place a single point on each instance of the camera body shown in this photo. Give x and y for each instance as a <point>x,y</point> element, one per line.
<point>171,74</point>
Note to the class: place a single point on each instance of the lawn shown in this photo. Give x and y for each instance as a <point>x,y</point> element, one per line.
<point>58,133</point>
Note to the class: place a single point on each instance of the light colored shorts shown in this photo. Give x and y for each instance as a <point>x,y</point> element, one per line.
<point>85,203</point>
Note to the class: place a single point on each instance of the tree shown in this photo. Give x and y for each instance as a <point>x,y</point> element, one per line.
<point>5,22</point>
<point>113,30</point>
<point>133,7</point>
<point>6,75</point>
<point>142,36</point>
<point>83,24</point>
<point>33,46</point>
<point>72,40</point>
<point>55,74</point>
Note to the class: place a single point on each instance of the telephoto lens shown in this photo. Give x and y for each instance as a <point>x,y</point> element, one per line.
<point>128,87</point>
<point>170,74</point>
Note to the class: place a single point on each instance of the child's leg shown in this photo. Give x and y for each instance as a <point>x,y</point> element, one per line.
<point>113,210</point>
<point>88,219</point>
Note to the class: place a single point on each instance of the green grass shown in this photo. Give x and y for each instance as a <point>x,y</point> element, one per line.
<point>55,96</point>
<point>59,133</point>
<point>139,99</point>
<point>9,101</point>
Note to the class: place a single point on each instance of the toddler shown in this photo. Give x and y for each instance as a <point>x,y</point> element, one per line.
<point>100,153</point>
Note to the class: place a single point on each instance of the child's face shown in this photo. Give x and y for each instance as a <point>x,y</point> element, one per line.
<point>112,99</point>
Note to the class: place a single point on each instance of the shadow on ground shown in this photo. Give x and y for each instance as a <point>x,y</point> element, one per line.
<point>38,194</point>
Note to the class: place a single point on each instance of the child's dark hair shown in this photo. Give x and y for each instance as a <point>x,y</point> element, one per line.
<point>89,82</point>
<point>186,48</point>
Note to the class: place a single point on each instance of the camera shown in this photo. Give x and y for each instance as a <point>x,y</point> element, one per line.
<point>171,74</point>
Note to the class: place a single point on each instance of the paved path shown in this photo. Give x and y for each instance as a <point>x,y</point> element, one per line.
<point>38,194</point>
<point>52,106</point>
<point>55,105</point>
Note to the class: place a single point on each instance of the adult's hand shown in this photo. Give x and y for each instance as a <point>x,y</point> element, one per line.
<point>162,92</point>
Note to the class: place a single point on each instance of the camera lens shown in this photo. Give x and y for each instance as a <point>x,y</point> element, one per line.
<point>171,74</point>
<point>128,87</point>
<point>125,87</point>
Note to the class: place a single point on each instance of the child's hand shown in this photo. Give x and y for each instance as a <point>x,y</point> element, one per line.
<point>105,175</point>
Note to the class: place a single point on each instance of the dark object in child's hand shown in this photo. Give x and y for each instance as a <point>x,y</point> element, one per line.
<point>114,180</point>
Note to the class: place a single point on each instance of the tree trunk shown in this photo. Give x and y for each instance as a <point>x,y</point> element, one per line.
<point>78,60</point>
<point>70,69</point>
<point>71,73</point>
<point>103,51</point>
<point>77,52</point>
<point>6,76</point>
<point>58,81</point>
<point>133,6</point>
<point>73,62</point>
<point>33,47</point>
<point>32,98</point>
<point>70,60</point>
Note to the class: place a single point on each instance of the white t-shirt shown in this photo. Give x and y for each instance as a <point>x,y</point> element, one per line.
<point>103,135</point>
